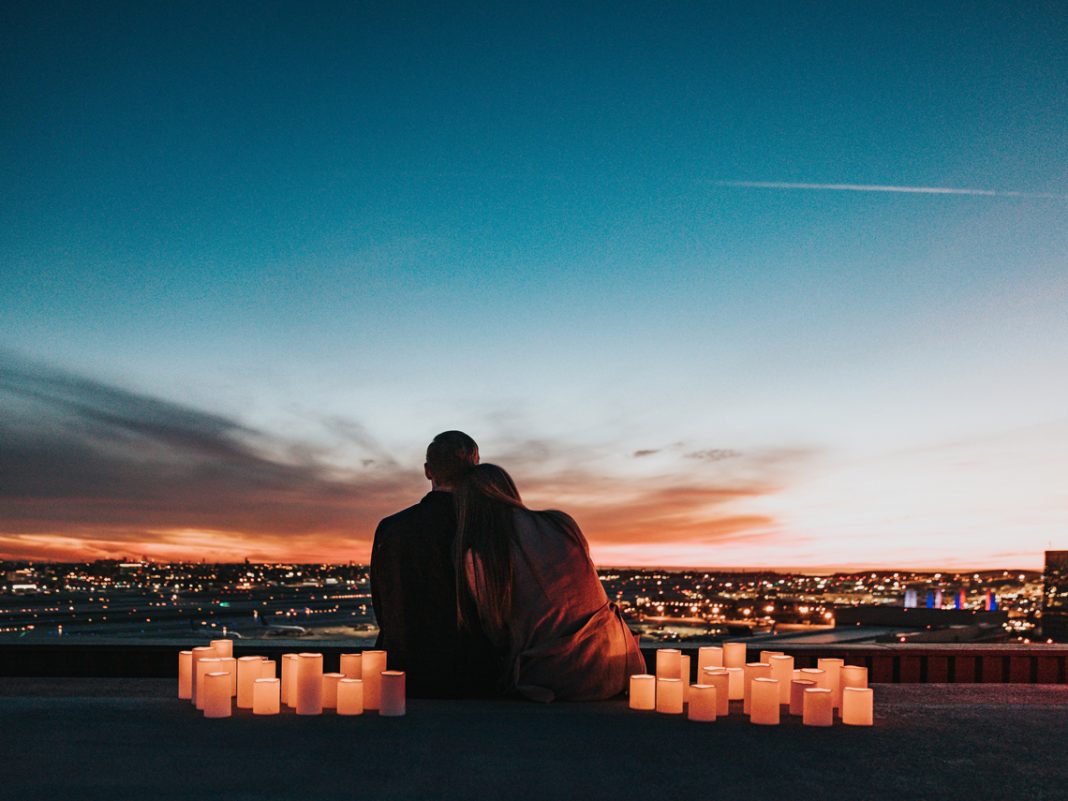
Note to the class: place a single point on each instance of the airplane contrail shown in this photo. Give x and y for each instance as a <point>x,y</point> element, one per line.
<point>912,190</point>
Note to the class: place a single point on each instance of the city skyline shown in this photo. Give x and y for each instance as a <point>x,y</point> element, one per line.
<point>734,287</point>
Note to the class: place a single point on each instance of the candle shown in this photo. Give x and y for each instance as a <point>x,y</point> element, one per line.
<point>669,696</point>
<point>643,691</point>
<point>268,669</point>
<point>797,674</point>
<point>227,664</point>
<point>684,674</point>
<point>709,656</point>
<point>373,663</point>
<point>185,675</point>
<point>854,676</point>
<point>203,666</point>
<point>817,709</point>
<point>330,681</point>
<point>764,706</point>
<point>797,695</point>
<point>198,653</point>
<point>350,697</point>
<point>734,654</point>
<point>782,670</point>
<point>720,678</point>
<point>703,706</point>
<point>765,656</point>
<point>736,682</point>
<point>668,663</point>
<point>834,677</point>
<point>249,668</point>
<point>817,676</point>
<point>216,694</point>
<point>391,702</point>
<point>351,666</point>
<point>856,706</point>
<point>223,648</point>
<point>310,684</point>
<point>753,670</point>
<point>290,669</point>
<point>266,696</point>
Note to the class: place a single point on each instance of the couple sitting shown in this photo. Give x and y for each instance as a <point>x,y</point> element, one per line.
<point>477,595</point>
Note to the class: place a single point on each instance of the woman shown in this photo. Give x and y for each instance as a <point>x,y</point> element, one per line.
<point>526,578</point>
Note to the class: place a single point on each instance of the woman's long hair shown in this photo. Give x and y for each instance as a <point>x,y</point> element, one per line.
<point>486,498</point>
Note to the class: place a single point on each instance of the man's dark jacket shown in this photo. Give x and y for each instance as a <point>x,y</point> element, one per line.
<point>413,589</point>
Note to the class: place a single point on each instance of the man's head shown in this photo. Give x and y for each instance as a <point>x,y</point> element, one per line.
<point>447,458</point>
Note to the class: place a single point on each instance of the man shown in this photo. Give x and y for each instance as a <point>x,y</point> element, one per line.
<point>413,585</point>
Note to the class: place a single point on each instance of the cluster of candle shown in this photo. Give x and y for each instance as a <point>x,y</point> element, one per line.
<point>763,687</point>
<point>215,682</point>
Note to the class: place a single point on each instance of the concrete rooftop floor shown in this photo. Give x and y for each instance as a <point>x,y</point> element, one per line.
<point>75,739</point>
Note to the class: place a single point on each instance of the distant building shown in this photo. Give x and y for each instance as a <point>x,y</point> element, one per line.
<point>1055,596</point>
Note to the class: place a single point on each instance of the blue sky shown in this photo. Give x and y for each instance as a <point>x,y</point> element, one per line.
<point>337,230</point>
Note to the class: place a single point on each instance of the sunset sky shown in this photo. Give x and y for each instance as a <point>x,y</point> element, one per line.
<point>689,271</point>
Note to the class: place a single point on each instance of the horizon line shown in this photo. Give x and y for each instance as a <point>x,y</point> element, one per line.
<point>891,188</point>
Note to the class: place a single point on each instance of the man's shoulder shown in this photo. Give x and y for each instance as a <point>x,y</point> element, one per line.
<point>433,506</point>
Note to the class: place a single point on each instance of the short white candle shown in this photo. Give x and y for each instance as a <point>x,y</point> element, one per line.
<point>217,698</point>
<point>765,656</point>
<point>249,668</point>
<point>857,706</point>
<point>202,667</point>
<point>736,681</point>
<point>198,653</point>
<point>816,708</point>
<point>392,701</point>
<point>266,696</point>
<point>373,663</point>
<point>703,706</point>
<point>734,654</point>
<point>185,675</point>
<point>819,677</point>
<point>643,691</point>
<point>753,670</point>
<point>289,678</point>
<point>782,670</point>
<point>764,707</point>
<point>223,648</point>
<point>350,697</point>
<point>667,663</point>
<point>228,664</point>
<point>720,678</point>
<point>269,669</point>
<point>797,695</point>
<point>310,684</point>
<point>351,666</point>
<point>709,656</point>
<point>330,681</point>
<point>834,677</point>
<point>684,674</point>
<point>669,696</point>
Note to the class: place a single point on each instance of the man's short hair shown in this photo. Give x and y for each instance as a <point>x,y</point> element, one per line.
<point>449,456</point>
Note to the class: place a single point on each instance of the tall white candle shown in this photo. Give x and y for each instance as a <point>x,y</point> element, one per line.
<point>351,666</point>
<point>392,702</point>
<point>736,679</point>
<point>753,670</point>
<point>249,668</point>
<point>669,696</point>
<point>373,663</point>
<point>816,708</point>
<point>269,669</point>
<point>266,696</point>
<point>765,656</point>
<point>330,681</point>
<point>198,653</point>
<point>854,676</point>
<point>290,671</point>
<point>185,675</point>
<point>797,695</point>
<point>228,664</point>
<point>857,706</point>
<point>720,678</point>
<point>764,707</point>
<point>782,670</point>
<point>703,705</point>
<point>684,674</point>
<point>667,663</point>
<point>350,697</point>
<point>223,648</point>
<point>734,654</point>
<point>310,684</point>
<point>709,656</point>
<point>834,677</point>
<point>216,692</point>
<point>204,666</point>
<point>817,676</point>
<point>643,691</point>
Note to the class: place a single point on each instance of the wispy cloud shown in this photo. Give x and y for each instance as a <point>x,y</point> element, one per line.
<point>907,190</point>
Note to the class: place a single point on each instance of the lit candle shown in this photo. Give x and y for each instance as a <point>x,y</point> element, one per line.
<point>203,666</point>
<point>373,663</point>
<point>266,697</point>
<point>310,684</point>
<point>764,705</point>
<point>797,674</point>
<point>854,676</point>
<point>817,709</point>
<point>289,686</point>
<point>200,652</point>
<point>734,654</point>
<point>753,670</point>
<point>227,664</point>
<point>684,674</point>
<point>643,691</point>
<point>350,697</point>
<point>720,678</point>
<point>709,656</point>
<point>703,706</point>
<point>834,677</point>
<point>765,656</point>
<point>216,692</point>
<point>391,702</point>
<point>669,696</point>
<point>782,670</point>
<point>667,663</point>
<point>797,695</point>
<point>223,648</point>
<point>249,668</point>
<point>269,669</point>
<point>351,666</point>
<point>857,706</point>
<point>330,681</point>
<point>817,676</point>
<point>736,682</point>
<point>185,675</point>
